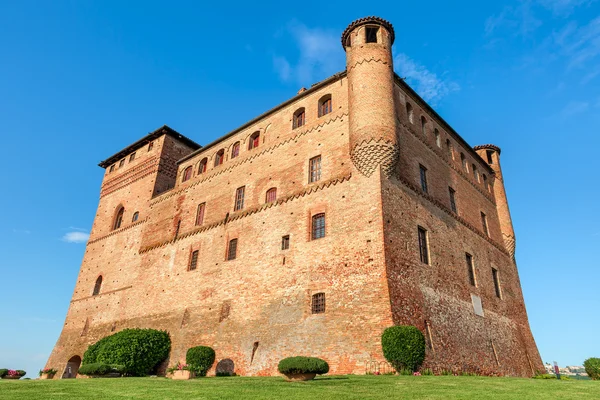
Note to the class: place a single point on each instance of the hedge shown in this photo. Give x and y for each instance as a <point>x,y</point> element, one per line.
<point>201,358</point>
<point>303,365</point>
<point>592,367</point>
<point>100,369</point>
<point>403,347</point>
<point>3,371</point>
<point>139,351</point>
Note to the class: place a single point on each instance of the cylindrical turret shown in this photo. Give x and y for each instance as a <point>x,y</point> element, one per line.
<point>372,113</point>
<point>491,154</point>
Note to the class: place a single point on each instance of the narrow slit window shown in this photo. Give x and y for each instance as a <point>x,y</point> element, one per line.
<point>232,249</point>
<point>121,163</point>
<point>119,218</point>
<point>450,149</point>
<point>475,172</point>
<point>423,126</point>
<point>177,228</point>
<point>200,214</point>
<point>470,269</point>
<point>496,279</point>
<point>490,158</point>
<point>318,226</point>
<point>438,140</point>
<point>452,194</point>
<point>193,260</point>
<point>423,174</point>
<point>150,146</point>
<point>271,195</point>
<point>314,166</point>
<point>484,223</point>
<point>423,245</point>
<point>285,242</point>
<point>239,198</point>
<point>409,112</point>
<point>132,157</point>
<point>318,303</point>
<point>371,34</point>
<point>464,162</point>
<point>135,217</point>
<point>112,168</point>
<point>97,286</point>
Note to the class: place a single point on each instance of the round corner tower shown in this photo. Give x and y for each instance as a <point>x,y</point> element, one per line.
<point>372,112</point>
<point>491,154</point>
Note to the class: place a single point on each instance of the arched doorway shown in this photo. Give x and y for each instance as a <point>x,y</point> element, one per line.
<point>72,367</point>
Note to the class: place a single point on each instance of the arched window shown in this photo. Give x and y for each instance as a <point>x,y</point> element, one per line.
<point>423,125</point>
<point>271,195</point>
<point>219,157</point>
<point>409,113</point>
<point>135,217</point>
<point>200,214</point>
<point>202,166</point>
<point>119,218</point>
<point>325,106</point>
<point>299,118</point>
<point>438,140</point>
<point>97,286</point>
<point>449,148</point>
<point>187,174</point>
<point>254,141</point>
<point>235,150</point>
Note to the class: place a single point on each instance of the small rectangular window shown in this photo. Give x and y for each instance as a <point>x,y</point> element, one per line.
<point>239,198</point>
<point>232,249</point>
<point>423,172</point>
<point>489,154</point>
<point>423,245</point>
<point>318,303</point>
<point>314,166</point>
<point>318,226</point>
<point>285,242</point>
<point>484,223</point>
<point>452,193</point>
<point>193,260</point>
<point>121,163</point>
<point>496,282</point>
<point>470,269</point>
<point>371,32</point>
<point>112,168</point>
<point>132,157</point>
<point>150,146</point>
<point>271,195</point>
<point>177,229</point>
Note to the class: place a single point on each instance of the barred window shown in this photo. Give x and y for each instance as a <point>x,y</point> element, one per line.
<point>496,279</point>
<point>423,173</point>
<point>193,260</point>
<point>97,286</point>
<point>484,223</point>
<point>202,166</point>
<point>271,195</point>
<point>132,157</point>
<point>423,245</point>
<point>314,169</point>
<point>232,249</point>
<point>318,226</point>
<point>254,141</point>
<point>119,218</point>
<point>452,193</point>
<point>235,150</point>
<point>318,303</point>
<point>135,217</point>
<point>239,198</point>
<point>200,214</point>
<point>285,242</point>
<point>325,106</point>
<point>187,174</point>
<point>299,118</point>
<point>219,157</point>
<point>470,269</point>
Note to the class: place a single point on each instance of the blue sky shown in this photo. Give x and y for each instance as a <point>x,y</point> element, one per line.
<point>81,80</point>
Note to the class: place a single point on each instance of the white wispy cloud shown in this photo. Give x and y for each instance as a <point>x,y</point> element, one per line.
<point>564,7</point>
<point>319,54</point>
<point>573,108</point>
<point>581,44</point>
<point>427,84</point>
<point>519,20</point>
<point>76,237</point>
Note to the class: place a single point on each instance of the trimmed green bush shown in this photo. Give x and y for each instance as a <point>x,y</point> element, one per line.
<point>303,365</point>
<point>100,369</point>
<point>138,351</point>
<point>592,367</point>
<point>200,358</point>
<point>403,347</point>
<point>21,372</point>
<point>3,371</point>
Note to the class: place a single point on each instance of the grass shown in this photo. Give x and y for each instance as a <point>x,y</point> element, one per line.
<point>326,387</point>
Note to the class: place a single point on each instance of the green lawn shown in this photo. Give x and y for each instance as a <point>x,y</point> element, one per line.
<point>327,387</point>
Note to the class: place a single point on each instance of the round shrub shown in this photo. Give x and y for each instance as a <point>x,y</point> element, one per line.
<point>3,371</point>
<point>403,347</point>
<point>138,351</point>
<point>200,358</point>
<point>592,367</point>
<point>303,365</point>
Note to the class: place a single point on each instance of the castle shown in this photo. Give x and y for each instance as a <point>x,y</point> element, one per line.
<point>347,209</point>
